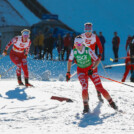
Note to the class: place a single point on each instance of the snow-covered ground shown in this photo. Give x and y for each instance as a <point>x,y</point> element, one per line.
<point>31,110</point>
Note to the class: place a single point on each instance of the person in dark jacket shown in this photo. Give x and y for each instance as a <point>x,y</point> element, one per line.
<point>131,47</point>
<point>48,48</point>
<point>116,42</point>
<point>129,40</point>
<point>102,39</point>
<point>59,45</point>
<point>67,45</point>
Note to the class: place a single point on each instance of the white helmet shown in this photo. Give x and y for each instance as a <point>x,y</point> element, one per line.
<point>78,40</point>
<point>88,27</point>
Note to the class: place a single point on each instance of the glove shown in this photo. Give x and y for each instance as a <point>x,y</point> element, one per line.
<point>90,72</point>
<point>68,76</point>
<point>4,53</point>
<point>99,56</point>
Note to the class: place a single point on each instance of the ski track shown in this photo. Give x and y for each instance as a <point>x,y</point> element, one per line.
<point>35,112</point>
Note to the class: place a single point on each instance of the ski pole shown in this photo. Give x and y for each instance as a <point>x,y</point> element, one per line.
<point>121,58</point>
<point>114,80</point>
<point>73,74</point>
<point>7,71</point>
<point>114,65</point>
<point>104,69</point>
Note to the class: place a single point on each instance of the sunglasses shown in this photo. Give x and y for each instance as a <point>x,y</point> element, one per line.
<point>79,44</point>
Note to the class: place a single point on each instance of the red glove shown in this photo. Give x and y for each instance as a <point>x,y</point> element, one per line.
<point>68,76</point>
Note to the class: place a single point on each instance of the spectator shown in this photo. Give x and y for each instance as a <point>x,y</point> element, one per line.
<point>116,42</point>
<point>67,46</point>
<point>102,39</point>
<point>129,40</point>
<point>131,47</point>
<point>96,47</point>
<point>40,43</point>
<point>72,40</point>
<point>128,67</point>
<point>59,45</point>
<point>49,42</point>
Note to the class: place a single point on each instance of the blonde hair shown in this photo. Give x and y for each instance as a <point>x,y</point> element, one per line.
<point>25,30</point>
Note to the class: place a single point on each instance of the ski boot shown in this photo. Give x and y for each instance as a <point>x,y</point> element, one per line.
<point>27,84</point>
<point>86,107</point>
<point>100,97</point>
<point>112,104</point>
<point>20,81</point>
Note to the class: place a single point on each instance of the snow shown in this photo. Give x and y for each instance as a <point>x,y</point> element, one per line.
<point>31,110</point>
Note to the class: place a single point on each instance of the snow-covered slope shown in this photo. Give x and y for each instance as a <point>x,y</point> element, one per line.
<point>32,111</point>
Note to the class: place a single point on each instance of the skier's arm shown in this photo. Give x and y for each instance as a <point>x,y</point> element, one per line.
<point>27,49</point>
<point>95,58</point>
<point>99,45</point>
<point>8,45</point>
<point>71,57</point>
<point>96,64</point>
<point>11,42</point>
<point>69,66</point>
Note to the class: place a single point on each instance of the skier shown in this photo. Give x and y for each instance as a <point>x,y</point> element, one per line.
<point>128,67</point>
<point>18,54</point>
<point>91,40</point>
<point>87,62</point>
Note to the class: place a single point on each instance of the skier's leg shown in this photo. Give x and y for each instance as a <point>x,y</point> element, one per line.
<point>97,82</point>
<point>98,92</point>
<point>16,60</point>
<point>83,78</point>
<point>126,73</point>
<point>25,70</point>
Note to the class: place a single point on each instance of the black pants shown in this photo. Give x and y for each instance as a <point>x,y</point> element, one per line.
<point>66,49</point>
<point>115,50</point>
<point>49,52</point>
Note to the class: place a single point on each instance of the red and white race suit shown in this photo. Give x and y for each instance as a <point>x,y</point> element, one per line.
<point>83,77</point>
<point>18,54</point>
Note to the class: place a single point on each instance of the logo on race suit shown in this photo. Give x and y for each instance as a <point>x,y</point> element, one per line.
<point>84,57</point>
<point>87,41</point>
<point>22,45</point>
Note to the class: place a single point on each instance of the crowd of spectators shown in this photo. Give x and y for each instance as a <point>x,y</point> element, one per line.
<point>45,43</point>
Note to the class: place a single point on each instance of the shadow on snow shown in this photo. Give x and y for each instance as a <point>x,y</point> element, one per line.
<point>19,94</point>
<point>92,118</point>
